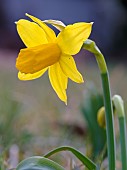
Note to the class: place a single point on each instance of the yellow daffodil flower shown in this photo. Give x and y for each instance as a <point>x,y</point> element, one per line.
<point>45,52</point>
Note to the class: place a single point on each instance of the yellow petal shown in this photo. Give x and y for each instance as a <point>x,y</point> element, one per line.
<point>50,34</point>
<point>57,24</point>
<point>31,33</point>
<point>24,77</point>
<point>69,68</point>
<point>58,81</point>
<point>72,37</point>
<point>34,59</point>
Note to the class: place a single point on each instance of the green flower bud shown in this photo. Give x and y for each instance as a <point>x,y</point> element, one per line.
<point>119,105</point>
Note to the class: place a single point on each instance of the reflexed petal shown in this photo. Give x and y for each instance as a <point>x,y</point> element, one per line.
<point>72,37</point>
<point>23,76</point>
<point>50,34</point>
<point>58,81</point>
<point>57,24</point>
<point>34,59</point>
<point>69,68</point>
<point>31,33</point>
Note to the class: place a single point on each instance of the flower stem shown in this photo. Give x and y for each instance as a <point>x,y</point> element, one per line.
<point>109,121</point>
<point>91,46</point>
<point>122,126</point>
<point>119,107</point>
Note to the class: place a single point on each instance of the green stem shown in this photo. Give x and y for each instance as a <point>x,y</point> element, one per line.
<point>109,121</point>
<point>122,126</point>
<point>119,107</point>
<point>91,46</point>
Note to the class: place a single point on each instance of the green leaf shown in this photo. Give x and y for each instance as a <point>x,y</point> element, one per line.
<point>92,101</point>
<point>38,163</point>
<point>85,160</point>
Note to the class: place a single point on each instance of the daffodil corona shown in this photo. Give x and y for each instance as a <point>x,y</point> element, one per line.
<point>45,52</point>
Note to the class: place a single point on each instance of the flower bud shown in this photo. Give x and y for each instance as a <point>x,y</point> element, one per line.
<point>101,117</point>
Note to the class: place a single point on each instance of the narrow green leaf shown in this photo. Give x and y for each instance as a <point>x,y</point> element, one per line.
<point>85,160</point>
<point>38,163</point>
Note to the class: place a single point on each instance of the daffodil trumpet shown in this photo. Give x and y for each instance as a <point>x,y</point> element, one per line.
<point>46,51</point>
